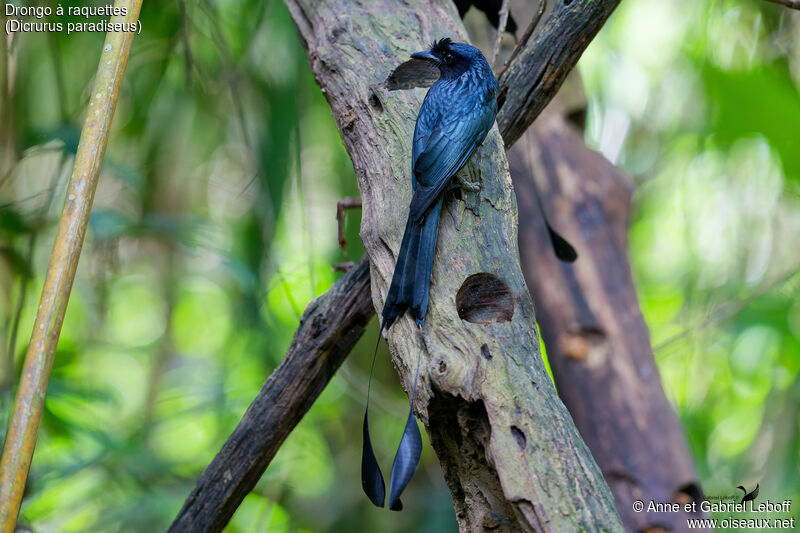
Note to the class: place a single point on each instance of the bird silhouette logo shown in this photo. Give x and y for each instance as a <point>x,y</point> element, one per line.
<point>748,496</point>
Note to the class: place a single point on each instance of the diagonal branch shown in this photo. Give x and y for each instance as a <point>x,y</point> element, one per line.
<point>535,74</point>
<point>329,328</point>
<point>501,27</point>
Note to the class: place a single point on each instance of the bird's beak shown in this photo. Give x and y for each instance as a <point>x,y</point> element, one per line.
<point>425,54</point>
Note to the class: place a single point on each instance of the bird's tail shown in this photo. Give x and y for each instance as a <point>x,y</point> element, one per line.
<point>412,273</point>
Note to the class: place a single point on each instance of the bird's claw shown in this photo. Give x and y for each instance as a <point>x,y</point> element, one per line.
<point>473,186</point>
<point>461,182</point>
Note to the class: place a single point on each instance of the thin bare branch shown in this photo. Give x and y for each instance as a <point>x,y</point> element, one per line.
<point>526,35</point>
<point>543,63</point>
<point>346,203</point>
<point>24,426</point>
<point>501,27</point>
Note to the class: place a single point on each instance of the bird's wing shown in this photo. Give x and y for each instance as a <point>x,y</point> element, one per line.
<point>438,155</point>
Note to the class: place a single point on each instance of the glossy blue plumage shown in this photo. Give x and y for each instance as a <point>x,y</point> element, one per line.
<point>455,117</point>
<point>453,121</point>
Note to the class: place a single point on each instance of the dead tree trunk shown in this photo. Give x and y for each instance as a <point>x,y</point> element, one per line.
<point>597,341</point>
<point>511,454</point>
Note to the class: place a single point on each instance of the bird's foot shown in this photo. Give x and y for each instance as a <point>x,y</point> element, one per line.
<point>462,183</point>
<point>473,186</point>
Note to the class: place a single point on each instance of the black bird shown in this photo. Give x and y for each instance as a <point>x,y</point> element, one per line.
<point>455,117</point>
<point>457,113</point>
<point>748,496</point>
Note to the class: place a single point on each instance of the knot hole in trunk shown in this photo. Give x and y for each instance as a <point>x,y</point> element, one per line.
<point>484,298</point>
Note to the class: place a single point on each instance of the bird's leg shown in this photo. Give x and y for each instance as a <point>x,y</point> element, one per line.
<point>469,187</point>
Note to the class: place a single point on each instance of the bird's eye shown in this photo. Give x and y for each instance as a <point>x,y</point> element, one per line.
<point>448,57</point>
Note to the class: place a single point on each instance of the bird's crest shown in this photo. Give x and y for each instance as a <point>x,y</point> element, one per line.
<point>437,47</point>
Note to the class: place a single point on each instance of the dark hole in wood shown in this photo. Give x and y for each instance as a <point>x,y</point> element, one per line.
<point>592,331</point>
<point>375,102</point>
<point>336,32</point>
<point>690,491</point>
<point>577,118</point>
<point>442,366</point>
<point>485,352</point>
<point>484,298</point>
<point>519,436</point>
<point>619,476</point>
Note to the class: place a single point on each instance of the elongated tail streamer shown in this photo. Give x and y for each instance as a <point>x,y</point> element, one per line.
<point>409,451</point>
<point>371,476</point>
<point>408,454</point>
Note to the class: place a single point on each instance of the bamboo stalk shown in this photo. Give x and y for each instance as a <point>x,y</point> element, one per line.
<point>21,437</point>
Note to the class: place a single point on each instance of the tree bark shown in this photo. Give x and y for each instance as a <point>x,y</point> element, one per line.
<point>329,328</point>
<point>597,341</point>
<point>510,452</point>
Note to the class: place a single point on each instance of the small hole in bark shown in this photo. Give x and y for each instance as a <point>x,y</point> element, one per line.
<point>589,331</point>
<point>484,298</point>
<point>336,32</point>
<point>577,118</point>
<point>485,352</point>
<point>375,102</point>
<point>690,492</point>
<point>442,366</point>
<point>618,476</point>
<point>519,436</point>
<point>577,346</point>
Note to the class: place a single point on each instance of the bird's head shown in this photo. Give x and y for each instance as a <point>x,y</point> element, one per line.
<point>452,59</point>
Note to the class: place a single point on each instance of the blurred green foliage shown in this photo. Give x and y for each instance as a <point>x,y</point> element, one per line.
<point>214,227</point>
<point>706,97</point>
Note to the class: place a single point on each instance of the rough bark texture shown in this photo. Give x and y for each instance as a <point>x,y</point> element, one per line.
<point>511,454</point>
<point>542,66</point>
<point>597,341</point>
<point>329,328</point>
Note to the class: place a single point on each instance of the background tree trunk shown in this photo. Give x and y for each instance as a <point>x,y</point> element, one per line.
<point>597,341</point>
<point>511,454</point>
